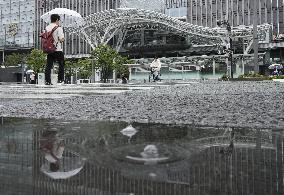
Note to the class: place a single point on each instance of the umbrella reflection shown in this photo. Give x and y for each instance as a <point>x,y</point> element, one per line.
<point>66,168</point>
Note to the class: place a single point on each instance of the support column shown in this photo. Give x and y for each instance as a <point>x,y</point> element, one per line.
<point>267,57</point>
<point>3,55</point>
<point>228,67</point>
<point>129,69</point>
<point>164,39</point>
<point>243,66</point>
<point>114,75</point>
<point>214,67</point>
<point>281,54</point>
<point>182,69</point>
<point>255,37</point>
<point>142,37</point>
<point>23,71</point>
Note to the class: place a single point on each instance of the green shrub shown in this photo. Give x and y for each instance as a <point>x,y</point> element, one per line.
<point>251,75</point>
<point>276,77</point>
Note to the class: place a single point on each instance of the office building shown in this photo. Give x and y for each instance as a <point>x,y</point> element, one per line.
<point>155,5</point>
<point>238,12</point>
<point>16,25</point>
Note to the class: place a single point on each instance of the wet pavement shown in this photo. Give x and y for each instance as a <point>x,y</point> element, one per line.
<point>109,158</point>
<point>168,138</point>
<point>209,103</point>
<point>24,91</point>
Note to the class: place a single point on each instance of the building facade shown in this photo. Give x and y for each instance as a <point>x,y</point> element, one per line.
<point>155,5</point>
<point>238,12</point>
<point>74,46</point>
<point>16,25</point>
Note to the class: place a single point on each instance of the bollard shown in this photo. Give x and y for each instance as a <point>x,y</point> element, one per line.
<point>2,120</point>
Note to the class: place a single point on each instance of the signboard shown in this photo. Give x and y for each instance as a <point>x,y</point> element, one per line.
<point>41,78</point>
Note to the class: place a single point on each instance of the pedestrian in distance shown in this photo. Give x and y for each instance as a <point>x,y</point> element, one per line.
<point>55,51</point>
<point>124,79</point>
<point>155,69</point>
<point>32,78</point>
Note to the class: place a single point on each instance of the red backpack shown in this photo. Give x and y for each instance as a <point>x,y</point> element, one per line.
<point>47,41</point>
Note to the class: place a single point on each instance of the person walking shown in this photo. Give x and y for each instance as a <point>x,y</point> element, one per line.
<point>58,54</point>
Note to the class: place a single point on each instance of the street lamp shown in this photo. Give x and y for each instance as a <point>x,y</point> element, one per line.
<point>255,36</point>
<point>229,49</point>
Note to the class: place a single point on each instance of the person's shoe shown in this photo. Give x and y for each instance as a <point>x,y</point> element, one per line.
<point>60,82</point>
<point>47,83</point>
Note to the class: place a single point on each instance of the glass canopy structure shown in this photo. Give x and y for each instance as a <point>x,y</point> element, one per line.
<point>100,28</point>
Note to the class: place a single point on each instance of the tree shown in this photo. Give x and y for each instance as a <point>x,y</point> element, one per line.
<point>119,65</point>
<point>36,60</point>
<point>14,59</point>
<point>108,59</point>
<point>85,67</point>
<point>70,66</point>
<point>104,58</point>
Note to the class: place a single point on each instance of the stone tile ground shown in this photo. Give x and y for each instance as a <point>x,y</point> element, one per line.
<point>208,103</point>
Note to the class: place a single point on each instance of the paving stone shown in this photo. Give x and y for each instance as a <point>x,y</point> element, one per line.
<point>242,104</point>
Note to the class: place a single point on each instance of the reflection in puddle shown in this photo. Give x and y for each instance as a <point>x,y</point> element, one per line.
<point>82,157</point>
<point>57,165</point>
<point>64,169</point>
<point>150,156</point>
<point>129,131</point>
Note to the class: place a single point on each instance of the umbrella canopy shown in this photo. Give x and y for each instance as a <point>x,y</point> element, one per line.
<point>60,174</point>
<point>29,71</point>
<point>69,18</point>
<point>156,64</point>
<point>275,66</point>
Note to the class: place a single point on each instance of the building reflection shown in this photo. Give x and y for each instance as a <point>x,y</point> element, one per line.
<point>254,164</point>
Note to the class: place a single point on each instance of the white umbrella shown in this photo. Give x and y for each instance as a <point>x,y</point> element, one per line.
<point>156,64</point>
<point>29,71</point>
<point>68,17</point>
<point>275,66</point>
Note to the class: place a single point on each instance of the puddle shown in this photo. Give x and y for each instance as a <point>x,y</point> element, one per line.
<point>83,157</point>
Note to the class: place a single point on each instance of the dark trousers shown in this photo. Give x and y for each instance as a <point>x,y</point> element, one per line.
<point>51,58</point>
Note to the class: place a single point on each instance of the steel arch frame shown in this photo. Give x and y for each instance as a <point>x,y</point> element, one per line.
<point>101,27</point>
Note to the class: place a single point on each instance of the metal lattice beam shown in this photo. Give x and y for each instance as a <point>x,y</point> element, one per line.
<point>100,27</point>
